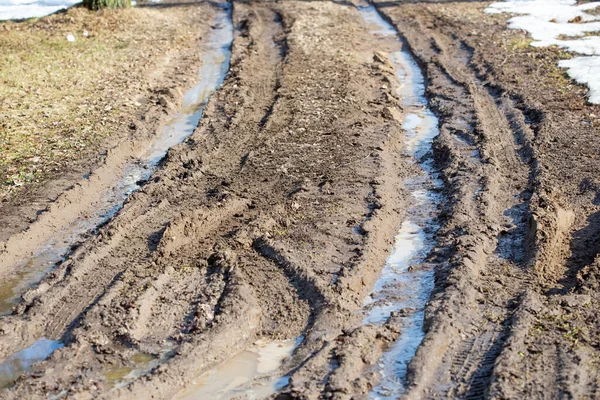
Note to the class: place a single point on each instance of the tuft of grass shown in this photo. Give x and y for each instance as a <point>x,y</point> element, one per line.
<point>519,44</point>
<point>100,4</point>
<point>560,77</point>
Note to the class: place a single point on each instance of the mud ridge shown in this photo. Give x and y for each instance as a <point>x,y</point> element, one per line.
<point>302,280</point>
<point>281,43</point>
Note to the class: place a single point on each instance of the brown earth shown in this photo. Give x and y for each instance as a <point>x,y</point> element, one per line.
<point>253,216</point>
<point>275,217</point>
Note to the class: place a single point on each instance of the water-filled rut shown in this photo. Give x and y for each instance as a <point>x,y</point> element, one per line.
<point>252,373</point>
<point>215,55</point>
<point>406,280</point>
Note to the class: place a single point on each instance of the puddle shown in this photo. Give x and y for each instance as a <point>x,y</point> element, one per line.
<point>216,53</point>
<point>406,282</point>
<point>251,374</point>
<point>139,364</point>
<point>20,362</point>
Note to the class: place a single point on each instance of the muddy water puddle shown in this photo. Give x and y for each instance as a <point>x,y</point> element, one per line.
<point>406,280</point>
<point>251,374</point>
<point>20,362</point>
<point>216,53</point>
<point>139,364</point>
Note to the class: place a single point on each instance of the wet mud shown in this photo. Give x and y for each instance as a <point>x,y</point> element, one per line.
<point>371,204</point>
<point>252,373</point>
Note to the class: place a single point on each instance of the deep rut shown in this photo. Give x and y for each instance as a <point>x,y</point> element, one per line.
<point>506,233</point>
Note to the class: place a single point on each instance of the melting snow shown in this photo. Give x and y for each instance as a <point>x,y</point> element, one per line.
<point>549,22</point>
<point>20,9</point>
<point>585,70</point>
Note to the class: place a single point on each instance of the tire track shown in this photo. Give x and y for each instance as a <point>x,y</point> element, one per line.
<point>92,282</point>
<point>496,213</point>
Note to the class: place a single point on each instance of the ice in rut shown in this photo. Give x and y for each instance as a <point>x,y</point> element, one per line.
<point>406,282</point>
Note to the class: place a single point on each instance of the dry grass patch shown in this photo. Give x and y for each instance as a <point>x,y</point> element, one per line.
<point>60,98</point>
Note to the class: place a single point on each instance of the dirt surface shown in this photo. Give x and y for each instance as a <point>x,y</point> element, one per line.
<point>274,219</point>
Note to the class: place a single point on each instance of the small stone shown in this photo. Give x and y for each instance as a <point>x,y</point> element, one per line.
<point>379,57</point>
<point>163,101</point>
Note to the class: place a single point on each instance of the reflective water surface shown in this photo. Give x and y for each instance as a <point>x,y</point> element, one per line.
<point>406,281</point>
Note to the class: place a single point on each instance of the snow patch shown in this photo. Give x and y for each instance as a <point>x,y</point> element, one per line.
<point>546,10</point>
<point>549,22</point>
<point>21,9</point>
<point>585,70</point>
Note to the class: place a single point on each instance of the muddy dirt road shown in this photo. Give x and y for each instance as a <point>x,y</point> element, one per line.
<point>355,201</point>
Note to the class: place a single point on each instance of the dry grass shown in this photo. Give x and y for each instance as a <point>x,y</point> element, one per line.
<point>594,11</point>
<point>61,98</point>
<point>519,44</point>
